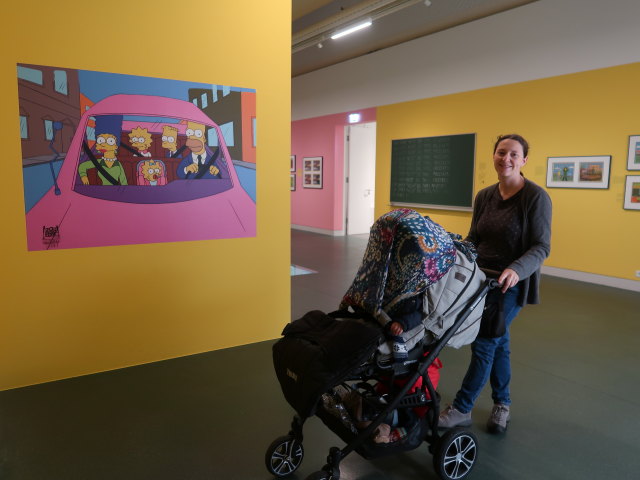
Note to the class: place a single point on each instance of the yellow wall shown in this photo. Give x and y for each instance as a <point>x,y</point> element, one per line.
<point>589,113</point>
<point>51,325</point>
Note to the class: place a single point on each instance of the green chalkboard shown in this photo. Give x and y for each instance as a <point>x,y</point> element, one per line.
<point>433,172</point>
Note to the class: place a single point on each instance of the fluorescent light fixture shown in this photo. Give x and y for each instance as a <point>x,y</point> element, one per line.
<point>354,117</point>
<point>354,28</point>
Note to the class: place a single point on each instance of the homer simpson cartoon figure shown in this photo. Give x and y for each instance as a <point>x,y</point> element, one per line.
<point>107,145</point>
<point>202,162</point>
<point>170,141</point>
<point>140,139</point>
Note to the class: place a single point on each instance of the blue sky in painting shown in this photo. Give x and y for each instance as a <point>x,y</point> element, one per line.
<point>99,85</point>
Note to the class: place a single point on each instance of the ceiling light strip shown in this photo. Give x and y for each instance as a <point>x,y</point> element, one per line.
<point>352,29</point>
<point>373,9</point>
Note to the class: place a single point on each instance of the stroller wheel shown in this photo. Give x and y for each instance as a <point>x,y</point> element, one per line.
<point>456,454</point>
<point>284,456</point>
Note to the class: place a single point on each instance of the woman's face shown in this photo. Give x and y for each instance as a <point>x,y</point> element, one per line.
<point>508,159</point>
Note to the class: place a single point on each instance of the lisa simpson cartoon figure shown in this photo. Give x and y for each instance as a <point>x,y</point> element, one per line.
<point>110,170</point>
<point>202,162</point>
<point>151,172</point>
<point>170,141</point>
<point>140,139</point>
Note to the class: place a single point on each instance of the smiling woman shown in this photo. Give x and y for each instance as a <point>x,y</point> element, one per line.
<point>511,230</point>
<point>509,156</point>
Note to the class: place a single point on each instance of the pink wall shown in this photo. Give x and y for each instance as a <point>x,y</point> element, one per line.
<point>321,137</point>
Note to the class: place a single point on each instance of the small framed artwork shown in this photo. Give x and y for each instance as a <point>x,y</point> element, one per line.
<point>578,172</point>
<point>292,180</point>
<point>312,172</point>
<point>292,166</point>
<point>307,164</point>
<point>632,193</point>
<point>633,159</point>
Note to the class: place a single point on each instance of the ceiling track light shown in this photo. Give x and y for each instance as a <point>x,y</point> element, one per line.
<point>349,30</point>
<point>371,10</point>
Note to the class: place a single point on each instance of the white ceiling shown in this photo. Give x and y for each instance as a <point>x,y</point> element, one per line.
<point>414,21</point>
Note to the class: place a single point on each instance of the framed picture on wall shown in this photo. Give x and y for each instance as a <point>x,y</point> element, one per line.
<point>312,172</point>
<point>292,180</point>
<point>633,159</point>
<point>578,172</point>
<point>306,164</point>
<point>292,166</point>
<point>632,193</point>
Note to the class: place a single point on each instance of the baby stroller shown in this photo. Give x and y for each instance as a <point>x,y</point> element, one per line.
<point>341,366</point>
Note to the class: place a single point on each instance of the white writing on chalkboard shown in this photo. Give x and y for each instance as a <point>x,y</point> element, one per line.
<point>420,167</point>
<point>433,170</point>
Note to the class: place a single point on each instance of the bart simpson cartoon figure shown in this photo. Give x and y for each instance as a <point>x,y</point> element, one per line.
<point>106,144</point>
<point>140,139</point>
<point>201,163</point>
<point>170,140</point>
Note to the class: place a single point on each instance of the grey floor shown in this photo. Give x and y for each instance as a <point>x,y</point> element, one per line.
<point>575,390</point>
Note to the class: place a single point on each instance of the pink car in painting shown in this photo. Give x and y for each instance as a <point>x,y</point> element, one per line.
<point>155,201</point>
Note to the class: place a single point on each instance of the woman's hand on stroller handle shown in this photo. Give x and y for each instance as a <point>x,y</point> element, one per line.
<point>509,278</point>
<point>506,279</point>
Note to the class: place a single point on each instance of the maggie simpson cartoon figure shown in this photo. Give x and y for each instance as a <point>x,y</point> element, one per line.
<point>140,139</point>
<point>107,145</point>
<point>202,162</point>
<point>152,172</point>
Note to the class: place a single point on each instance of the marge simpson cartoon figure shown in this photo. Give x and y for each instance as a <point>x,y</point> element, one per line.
<point>202,162</point>
<point>140,139</point>
<point>170,140</point>
<point>107,145</point>
<point>152,171</point>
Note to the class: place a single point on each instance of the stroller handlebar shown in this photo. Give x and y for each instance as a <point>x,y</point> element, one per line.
<point>492,275</point>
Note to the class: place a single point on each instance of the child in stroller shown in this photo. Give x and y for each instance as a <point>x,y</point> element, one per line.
<point>369,370</point>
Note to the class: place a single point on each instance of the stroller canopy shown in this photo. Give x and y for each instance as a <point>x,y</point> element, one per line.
<point>406,254</point>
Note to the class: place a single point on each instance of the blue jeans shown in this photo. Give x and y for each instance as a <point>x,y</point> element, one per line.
<point>490,360</point>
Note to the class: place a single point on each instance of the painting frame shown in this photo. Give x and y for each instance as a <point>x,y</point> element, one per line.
<point>588,172</point>
<point>633,156</point>
<point>312,172</point>
<point>292,164</point>
<point>632,192</point>
<point>78,194</point>
<point>292,182</point>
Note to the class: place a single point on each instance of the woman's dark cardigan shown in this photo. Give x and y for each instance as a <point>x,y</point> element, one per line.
<point>535,208</point>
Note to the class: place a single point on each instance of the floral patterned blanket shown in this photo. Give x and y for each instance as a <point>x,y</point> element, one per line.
<point>406,254</point>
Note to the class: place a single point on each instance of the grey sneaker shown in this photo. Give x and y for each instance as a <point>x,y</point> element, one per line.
<point>451,417</point>
<point>499,418</point>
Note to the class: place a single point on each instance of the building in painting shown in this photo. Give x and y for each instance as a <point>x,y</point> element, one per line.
<point>49,111</point>
<point>235,113</point>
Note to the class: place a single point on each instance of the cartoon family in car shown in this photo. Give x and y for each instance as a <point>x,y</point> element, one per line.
<point>200,162</point>
<point>156,170</point>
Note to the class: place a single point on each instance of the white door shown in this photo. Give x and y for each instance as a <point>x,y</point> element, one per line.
<point>361,177</point>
